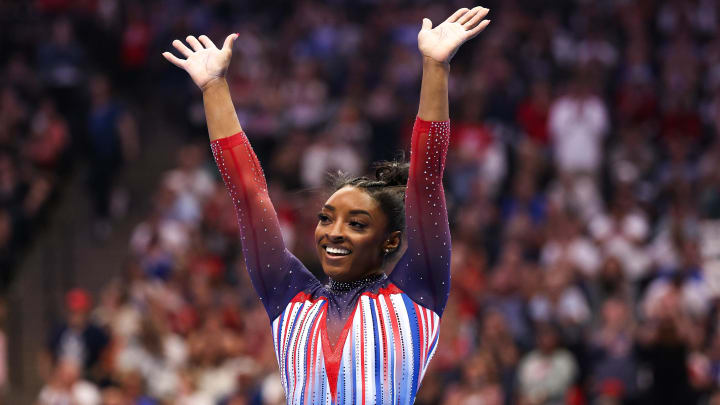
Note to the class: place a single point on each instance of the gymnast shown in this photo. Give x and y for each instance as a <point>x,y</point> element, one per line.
<point>367,336</point>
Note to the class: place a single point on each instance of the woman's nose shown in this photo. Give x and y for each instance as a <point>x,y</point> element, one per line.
<point>335,233</point>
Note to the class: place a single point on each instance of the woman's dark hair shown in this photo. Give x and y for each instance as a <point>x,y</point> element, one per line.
<point>387,188</point>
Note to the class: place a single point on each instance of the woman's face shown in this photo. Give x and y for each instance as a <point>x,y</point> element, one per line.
<point>351,235</point>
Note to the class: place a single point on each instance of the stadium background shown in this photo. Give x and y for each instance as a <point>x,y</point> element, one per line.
<point>583,187</point>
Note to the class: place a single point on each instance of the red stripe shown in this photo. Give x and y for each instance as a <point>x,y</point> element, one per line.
<point>332,355</point>
<point>432,325</point>
<point>390,289</point>
<point>303,296</point>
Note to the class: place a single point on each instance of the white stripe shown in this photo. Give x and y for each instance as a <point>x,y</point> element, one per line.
<point>369,329</point>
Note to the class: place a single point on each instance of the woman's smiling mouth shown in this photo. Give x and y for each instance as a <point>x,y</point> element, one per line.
<point>336,251</point>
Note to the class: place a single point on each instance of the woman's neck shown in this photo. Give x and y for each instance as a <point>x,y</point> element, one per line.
<point>367,279</point>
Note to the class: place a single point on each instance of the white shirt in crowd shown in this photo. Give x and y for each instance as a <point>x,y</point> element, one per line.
<point>577,127</point>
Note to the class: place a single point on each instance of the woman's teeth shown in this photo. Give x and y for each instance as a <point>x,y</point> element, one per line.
<point>337,251</point>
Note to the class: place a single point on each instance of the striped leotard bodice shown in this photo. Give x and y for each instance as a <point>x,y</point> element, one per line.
<point>389,326</point>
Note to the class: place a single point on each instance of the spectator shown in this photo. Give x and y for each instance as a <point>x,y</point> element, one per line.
<point>614,364</point>
<point>578,122</point>
<point>77,340</point>
<point>67,386</point>
<point>113,139</point>
<point>546,373</point>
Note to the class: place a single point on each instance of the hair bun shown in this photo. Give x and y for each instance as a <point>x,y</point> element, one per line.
<point>392,173</point>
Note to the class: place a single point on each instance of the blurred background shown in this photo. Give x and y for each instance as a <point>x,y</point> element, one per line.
<point>583,188</point>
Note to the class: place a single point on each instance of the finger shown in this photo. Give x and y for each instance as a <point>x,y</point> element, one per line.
<point>229,41</point>
<point>207,42</point>
<point>194,43</point>
<point>174,60</point>
<point>426,24</point>
<point>473,32</point>
<point>470,24</point>
<point>182,48</point>
<point>457,15</point>
<point>467,16</point>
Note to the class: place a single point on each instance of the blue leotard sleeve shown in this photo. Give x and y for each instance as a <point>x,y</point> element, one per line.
<point>276,274</point>
<point>423,272</point>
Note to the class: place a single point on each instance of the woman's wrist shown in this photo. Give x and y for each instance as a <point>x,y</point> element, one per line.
<point>430,63</point>
<point>214,83</point>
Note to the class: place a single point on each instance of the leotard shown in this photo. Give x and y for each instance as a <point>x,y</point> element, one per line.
<point>390,325</point>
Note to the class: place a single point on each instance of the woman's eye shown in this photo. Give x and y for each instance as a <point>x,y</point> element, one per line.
<point>356,224</point>
<point>323,218</point>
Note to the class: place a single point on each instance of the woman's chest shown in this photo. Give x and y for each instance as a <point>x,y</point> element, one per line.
<point>378,353</point>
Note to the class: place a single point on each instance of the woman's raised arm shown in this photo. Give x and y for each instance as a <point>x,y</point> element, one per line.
<point>276,274</point>
<point>424,270</point>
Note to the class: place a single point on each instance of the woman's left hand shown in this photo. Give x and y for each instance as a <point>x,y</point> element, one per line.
<point>441,43</point>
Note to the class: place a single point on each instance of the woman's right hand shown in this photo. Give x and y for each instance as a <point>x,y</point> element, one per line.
<point>205,63</point>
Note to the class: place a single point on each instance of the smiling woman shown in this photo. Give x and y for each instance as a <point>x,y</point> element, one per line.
<point>365,217</point>
<point>366,337</point>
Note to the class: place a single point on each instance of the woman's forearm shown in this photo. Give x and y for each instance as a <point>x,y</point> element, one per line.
<point>220,114</point>
<point>434,91</point>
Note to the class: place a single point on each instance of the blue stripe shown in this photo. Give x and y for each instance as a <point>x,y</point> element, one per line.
<point>378,360</point>
<point>354,362</point>
<point>279,332</point>
<point>432,346</point>
<point>416,343</point>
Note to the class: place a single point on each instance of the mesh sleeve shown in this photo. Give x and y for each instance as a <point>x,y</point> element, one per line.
<point>423,272</point>
<point>276,274</point>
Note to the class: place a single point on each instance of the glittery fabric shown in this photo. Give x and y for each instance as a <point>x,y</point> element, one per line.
<point>388,328</point>
<point>337,287</point>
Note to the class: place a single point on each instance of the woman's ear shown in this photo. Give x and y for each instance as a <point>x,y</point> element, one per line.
<point>392,243</point>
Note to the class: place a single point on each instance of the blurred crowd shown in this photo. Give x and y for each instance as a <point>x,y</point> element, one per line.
<point>58,111</point>
<point>583,188</point>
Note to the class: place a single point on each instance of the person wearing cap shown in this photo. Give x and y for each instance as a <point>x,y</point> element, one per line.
<point>76,337</point>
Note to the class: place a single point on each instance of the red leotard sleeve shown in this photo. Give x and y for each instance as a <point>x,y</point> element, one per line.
<point>276,274</point>
<point>423,272</point>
